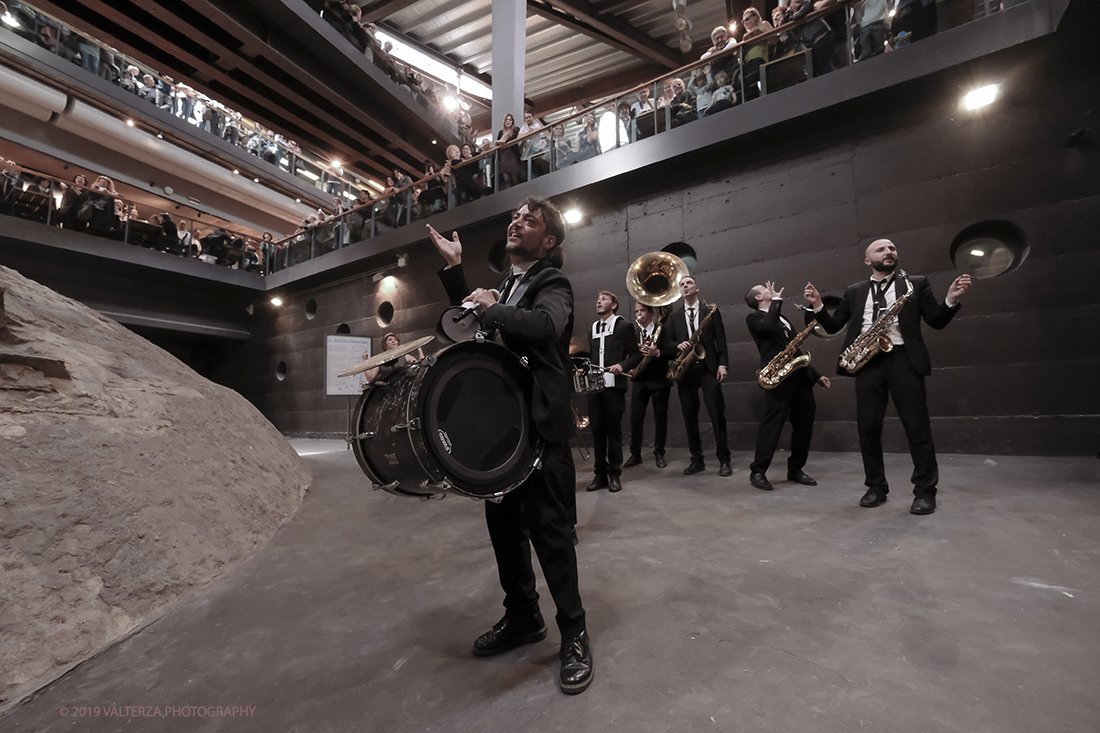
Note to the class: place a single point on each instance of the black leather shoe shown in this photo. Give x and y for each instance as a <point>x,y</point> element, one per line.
<point>659,460</point>
<point>694,467</point>
<point>510,632</point>
<point>634,460</point>
<point>724,469</point>
<point>760,481</point>
<point>873,497</point>
<point>597,483</point>
<point>922,505</point>
<point>800,477</point>
<point>576,664</point>
<point>615,484</point>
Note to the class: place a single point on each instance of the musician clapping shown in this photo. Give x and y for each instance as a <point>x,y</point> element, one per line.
<point>793,397</point>
<point>898,373</point>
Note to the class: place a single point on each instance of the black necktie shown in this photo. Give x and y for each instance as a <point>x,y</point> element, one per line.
<point>879,295</point>
<point>603,324</point>
<point>691,320</point>
<point>507,289</point>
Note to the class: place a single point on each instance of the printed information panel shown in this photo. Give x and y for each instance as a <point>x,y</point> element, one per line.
<point>343,352</point>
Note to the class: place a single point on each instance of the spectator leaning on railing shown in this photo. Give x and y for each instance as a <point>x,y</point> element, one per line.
<point>816,34</point>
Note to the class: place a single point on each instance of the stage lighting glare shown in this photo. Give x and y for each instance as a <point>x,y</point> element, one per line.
<point>980,97</point>
<point>573,216</point>
<point>276,302</point>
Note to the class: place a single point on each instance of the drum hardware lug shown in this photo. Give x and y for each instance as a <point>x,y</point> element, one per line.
<point>429,361</point>
<point>523,360</point>
<point>480,337</point>
<point>537,464</point>
<point>388,487</point>
<point>413,424</point>
<point>360,436</point>
<point>494,499</point>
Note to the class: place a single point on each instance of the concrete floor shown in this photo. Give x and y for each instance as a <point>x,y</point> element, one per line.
<point>712,606</point>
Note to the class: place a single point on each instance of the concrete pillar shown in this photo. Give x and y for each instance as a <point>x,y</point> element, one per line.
<point>509,51</point>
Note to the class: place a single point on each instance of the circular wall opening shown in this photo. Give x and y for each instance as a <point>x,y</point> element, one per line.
<point>685,252</point>
<point>343,328</point>
<point>311,309</point>
<point>385,314</point>
<point>280,371</point>
<point>498,257</point>
<point>989,248</point>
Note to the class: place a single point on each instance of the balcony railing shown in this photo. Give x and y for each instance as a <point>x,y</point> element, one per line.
<point>180,100</point>
<point>810,44</point>
<point>94,207</point>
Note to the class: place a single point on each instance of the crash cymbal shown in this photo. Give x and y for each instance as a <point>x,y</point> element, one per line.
<point>381,358</point>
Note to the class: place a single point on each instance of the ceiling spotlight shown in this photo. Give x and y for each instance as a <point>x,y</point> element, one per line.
<point>434,142</point>
<point>8,18</point>
<point>733,27</point>
<point>572,216</point>
<point>255,180</point>
<point>685,44</point>
<point>682,23</point>
<point>980,97</point>
<point>236,172</point>
<point>276,302</point>
<point>450,103</point>
<point>129,123</point>
<point>297,201</point>
<point>159,136</point>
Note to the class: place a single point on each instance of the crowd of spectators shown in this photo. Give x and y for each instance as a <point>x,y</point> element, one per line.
<point>179,99</point>
<point>347,18</point>
<point>97,208</point>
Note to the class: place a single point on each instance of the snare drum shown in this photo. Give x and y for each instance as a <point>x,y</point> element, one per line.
<point>587,377</point>
<point>457,421</point>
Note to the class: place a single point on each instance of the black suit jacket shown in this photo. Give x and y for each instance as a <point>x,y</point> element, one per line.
<point>538,327</point>
<point>767,332</point>
<point>713,338</point>
<point>923,304</point>
<point>620,347</point>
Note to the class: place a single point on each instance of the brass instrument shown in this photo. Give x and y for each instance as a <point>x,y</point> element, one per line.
<point>785,362</point>
<point>647,341</point>
<point>678,368</point>
<point>654,280</point>
<point>874,339</point>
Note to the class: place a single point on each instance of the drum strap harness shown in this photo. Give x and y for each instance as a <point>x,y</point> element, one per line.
<point>608,378</point>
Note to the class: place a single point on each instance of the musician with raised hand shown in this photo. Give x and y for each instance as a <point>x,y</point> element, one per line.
<point>696,323</point>
<point>650,382</point>
<point>792,398</point>
<point>534,318</point>
<point>899,371</point>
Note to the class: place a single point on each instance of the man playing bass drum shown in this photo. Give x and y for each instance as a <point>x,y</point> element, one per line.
<point>898,372</point>
<point>535,320</point>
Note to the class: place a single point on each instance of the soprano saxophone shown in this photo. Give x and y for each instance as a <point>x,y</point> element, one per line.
<point>785,362</point>
<point>678,368</point>
<point>874,339</point>
<point>646,341</point>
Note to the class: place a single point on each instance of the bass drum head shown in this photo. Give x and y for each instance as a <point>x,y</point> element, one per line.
<point>474,405</point>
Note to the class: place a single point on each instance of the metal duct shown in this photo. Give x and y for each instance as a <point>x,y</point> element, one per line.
<point>28,96</point>
<point>112,133</point>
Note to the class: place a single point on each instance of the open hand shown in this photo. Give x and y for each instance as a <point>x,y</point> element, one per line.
<point>811,294</point>
<point>958,287</point>
<point>451,249</point>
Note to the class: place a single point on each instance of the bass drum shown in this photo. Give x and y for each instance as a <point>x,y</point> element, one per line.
<point>458,421</point>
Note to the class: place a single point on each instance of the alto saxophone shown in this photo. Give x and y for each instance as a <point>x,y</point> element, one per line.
<point>785,362</point>
<point>647,341</point>
<point>678,368</point>
<point>874,339</point>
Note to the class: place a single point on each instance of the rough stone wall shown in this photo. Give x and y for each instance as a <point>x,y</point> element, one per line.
<point>126,481</point>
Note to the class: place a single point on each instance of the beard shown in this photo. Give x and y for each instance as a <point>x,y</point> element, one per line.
<point>883,267</point>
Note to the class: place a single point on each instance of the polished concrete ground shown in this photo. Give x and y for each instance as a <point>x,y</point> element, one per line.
<point>712,605</point>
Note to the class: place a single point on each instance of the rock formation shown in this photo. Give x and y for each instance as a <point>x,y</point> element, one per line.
<point>126,481</point>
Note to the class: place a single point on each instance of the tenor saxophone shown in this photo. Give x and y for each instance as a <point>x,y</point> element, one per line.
<point>785,362</point>
<point>678,368</point>
<point>874,339</point>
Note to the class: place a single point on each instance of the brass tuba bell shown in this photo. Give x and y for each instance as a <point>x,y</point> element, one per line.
<point>654,279</point>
